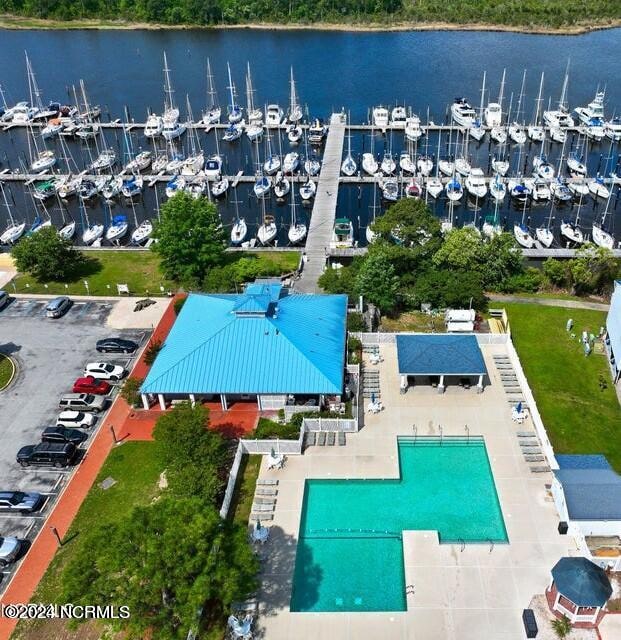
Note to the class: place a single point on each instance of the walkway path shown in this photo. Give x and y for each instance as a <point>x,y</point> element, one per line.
<point>41,553</point>
<point>324,209</point>
<point>551,302</point>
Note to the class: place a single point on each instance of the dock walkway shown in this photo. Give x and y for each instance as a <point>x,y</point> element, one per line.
<point>324,208</point>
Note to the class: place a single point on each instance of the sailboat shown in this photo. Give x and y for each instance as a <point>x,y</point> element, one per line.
<point>571,231</point>
<point>234,110</point>
<point>295,110</point>
<point>297,230</point>
<point>497,188</point>
<point>294,133</point>
<point>521,232</point>
<point>272,161</point>
<point>172,127</point>
<point>560,118</point>
<point>14,230</point>
<point>195,160</point>
<point>349,166</point>
<point>213,164</point>
<point>406,163</point>
<point>117,229</point>
<point>543,234</point>
<point>254,128</point>
<point>433,185</point>
<point>267,232</point>
<point>598,188</point>
<point>517,132</point>
<point>282,185</point>
<point>535,131</point>
<point>239,230</point>
<point>93,232</point>
<point>493,111</point>
<point>290,162</point>
<point>369,233</point>
<point>143,231</point>
<point>477,130</point>
<point>213,112</point>
<point>454,189</point>
<point>67,231</point>
<point>491,228</point>
<point>600,236</point>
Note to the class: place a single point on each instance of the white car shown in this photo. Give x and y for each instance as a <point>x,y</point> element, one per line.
<point>104,371</point>
<point>75,419</point>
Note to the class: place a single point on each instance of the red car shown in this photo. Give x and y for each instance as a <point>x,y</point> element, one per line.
<point>91,385</point>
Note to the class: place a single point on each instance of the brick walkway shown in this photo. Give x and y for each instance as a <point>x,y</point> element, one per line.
<point>39,556</point>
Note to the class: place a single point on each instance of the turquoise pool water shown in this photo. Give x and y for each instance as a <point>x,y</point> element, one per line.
<point>350,555</point>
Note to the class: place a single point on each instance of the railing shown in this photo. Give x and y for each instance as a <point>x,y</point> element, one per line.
<point>264,447</point>
<point>230,486</point>
<point>368,339</point>
<point>349,425</point>
<point>291,410</point>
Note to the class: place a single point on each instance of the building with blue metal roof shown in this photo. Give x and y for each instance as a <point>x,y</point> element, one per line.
<point>439,356</point>
<point>613,332</point>
<point>262,344</point>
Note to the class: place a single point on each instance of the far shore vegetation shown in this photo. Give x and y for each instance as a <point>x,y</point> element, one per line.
<point>570,16</point>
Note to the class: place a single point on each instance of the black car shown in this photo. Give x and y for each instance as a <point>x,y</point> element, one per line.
<point>63,434</point>
<point>20,502</point>
<point>116,345</point>
<point>49,454</point>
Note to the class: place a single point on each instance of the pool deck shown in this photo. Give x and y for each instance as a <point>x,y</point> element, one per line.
<point>475,593</point>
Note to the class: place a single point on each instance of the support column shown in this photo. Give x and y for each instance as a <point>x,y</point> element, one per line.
<point>160,397</point>
<point>403,385</point>
<point>480,385</point>
<point>441,385</point>
<point>192,399</point>
<point>145,400</point>
<point>259,402</point>
<point>223,402</point>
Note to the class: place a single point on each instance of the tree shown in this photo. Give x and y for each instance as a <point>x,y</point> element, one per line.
<point>556,271</point>
<point>562,627</point>
<point>592,270</point>
<point>447,288</point>
<point>341,280</point>
<point>462,249</point>
<point>377,281</point>
<point>166,562</point>
<point>414,222</point>
<point>501,259</point>
<point>191,453</point>
<point>130,392</point>
<point>190,238</point>
<point>46,256</point>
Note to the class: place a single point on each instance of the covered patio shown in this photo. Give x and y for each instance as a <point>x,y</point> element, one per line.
<point>439,359</point>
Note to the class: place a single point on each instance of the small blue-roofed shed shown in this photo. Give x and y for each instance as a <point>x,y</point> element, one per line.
<point>439,356</point>
<point>263,344</point>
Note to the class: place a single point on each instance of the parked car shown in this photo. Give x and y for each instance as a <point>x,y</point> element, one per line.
<point>18,501</point>
<point>91,385</point>
<point>75,419</point>
<point>4,299</point>
<point>58,307</point>
<point>104,371</point>
<point>83,401</point>
<point>9,549</point>
<point>63,434</point>
<point>116,345</point>
<point>49,454</point>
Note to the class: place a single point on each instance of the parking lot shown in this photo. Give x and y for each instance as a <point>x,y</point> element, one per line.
<point>50,355</point>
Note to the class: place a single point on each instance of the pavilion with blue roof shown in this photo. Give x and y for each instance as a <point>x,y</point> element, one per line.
<point>613,332</point>
<point>263,345</point>
<point>438,356</point>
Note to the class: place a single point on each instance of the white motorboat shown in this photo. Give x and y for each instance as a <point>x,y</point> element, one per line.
<point>559,190</point>
<point>594,129</point>
<point>267,232</point>
<point>463,114</point>
<point>572,232</point>
<point>52,128</point>
<point>497,188</point>
<point>142,232</point>
<point>558,135</point>
<point>602,238</point>
<point>254,131</point>
<point>153,126</point>
<point>174,186</point>
<point>87,131</point>
<point>477,130</point>
<point>213,166</point>
<point>462,166</point>
<point>424,164</point>
<point>594,110</point>
<point>282,185</point>
<point>447,167</point>
<point>43,161</point>
<point>434,186</point>
<point>173,127</point>
<point>522,235</point>
<point>390,189</point>
<point>44,190</point>
<point>117,230</point>
<point>536,133</point>
<point>369,164</point>
<point>291,162</point>
<point>308,190</point>
<point>132,186</point>
<point>388,165</point>
<point>598,188</point>
<point>68,230</point>
<point>454,190</point>
<point>23,113</point>
<point>232,132</point>
<point>475,184</point>
<point>112,187</point>
<point>398,117</point>
<point>540,190</point>
<point>558,118</point>
<point>500,166</point>
<point>342,234</point>
<point>239,231</point>
<point>294,133</point>
<point>11,112</point>
<point>274,115</point>
<point>413,130</point>
<point>219,187</point>
<point>380,118</point>
<point>406,163</point>
<point>316,132</point>
<point>493,115</point>
<point>612,129</point>
<point>262,186</point>
<point>105,160</point>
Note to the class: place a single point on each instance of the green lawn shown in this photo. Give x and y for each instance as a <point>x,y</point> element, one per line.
<point>413,321</point>
<point>139,270</point>
<point>241,504</point>
<point>6,371</point>
<point>578,415</point>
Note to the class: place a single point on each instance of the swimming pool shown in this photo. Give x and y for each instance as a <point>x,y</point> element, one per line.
<point>350,556</point>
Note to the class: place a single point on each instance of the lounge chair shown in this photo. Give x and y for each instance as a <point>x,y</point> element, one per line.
<point>321,438</point>
<point>264,517</point>
<point>534,458</point>
<point>341,438</point>
<point>540,469</point>
<point>528,444</point>
<point>265,491</point>
<point>331,438</point>
<point>260,508</point>
<point>267,482</point>
<point>259,500</point>
<point>526,434</point>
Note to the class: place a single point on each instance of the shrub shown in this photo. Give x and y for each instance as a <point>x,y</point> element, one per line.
<point>131,391</point>
<point>267,429</point>
<point>178,305</point>
<point>355,322</point>
<point>556,272</point>
<point>530,281</point>
<point>151,353</point>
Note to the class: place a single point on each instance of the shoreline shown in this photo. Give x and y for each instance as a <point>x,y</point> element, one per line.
<point>19,23</point>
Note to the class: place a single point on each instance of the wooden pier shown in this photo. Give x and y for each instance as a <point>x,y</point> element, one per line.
<point>324,208</point>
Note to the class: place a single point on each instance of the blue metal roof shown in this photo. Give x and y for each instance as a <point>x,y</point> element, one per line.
<point>591,492</point>
<point>613,323</point>
<point>258,342</point>
<point>582,581</point>
<point>582,461</point>
<point>439,354</point>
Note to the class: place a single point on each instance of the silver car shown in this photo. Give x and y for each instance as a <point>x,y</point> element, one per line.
<point>57,307</point>
<point>9,550</point>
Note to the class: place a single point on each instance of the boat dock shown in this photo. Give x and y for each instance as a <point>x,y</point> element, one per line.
<point>324,208</point>
<point>537,253</point>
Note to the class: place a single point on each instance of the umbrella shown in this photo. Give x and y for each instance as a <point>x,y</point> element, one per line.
<point>518,409</point>
<point>373,397</point>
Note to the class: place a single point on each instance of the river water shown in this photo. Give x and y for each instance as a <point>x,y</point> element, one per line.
<point>333,70</point>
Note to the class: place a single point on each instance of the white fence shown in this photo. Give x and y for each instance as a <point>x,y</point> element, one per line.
<point>368,339</point>
<point>291,410</point>
<point>264,447</point>
<point>331,424</point>
<point>230,486</point>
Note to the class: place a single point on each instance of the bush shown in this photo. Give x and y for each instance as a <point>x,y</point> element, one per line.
<point>178,305</point>
<point>268,429</point>
<point>556,272</point>
<point>530,281</point>
<point>131,391</point>
<point>355,322</point>
<point>151,353</point>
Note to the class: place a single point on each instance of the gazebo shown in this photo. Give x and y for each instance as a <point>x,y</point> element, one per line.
<point>579,589</point>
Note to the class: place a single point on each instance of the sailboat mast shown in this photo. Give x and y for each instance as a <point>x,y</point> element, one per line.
<point>519,105</point>
<point>211,92</point>
<point>482,96</point>
<point>502,87</point>
<point>230,87</point>
<point>561,102</point>
<point>168,90</point>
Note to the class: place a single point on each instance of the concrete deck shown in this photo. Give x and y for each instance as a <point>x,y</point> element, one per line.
<point>475,593</point>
